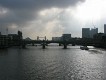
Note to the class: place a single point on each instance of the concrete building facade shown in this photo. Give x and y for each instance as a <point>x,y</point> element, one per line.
<point>85,32</point>
<point>93,31</point>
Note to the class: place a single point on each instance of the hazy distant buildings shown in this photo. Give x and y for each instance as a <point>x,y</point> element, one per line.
<point>93,31</point>
<point>66,37</point>
<point>85,32</point>
<point>105,28</point>
<point>56,38</point>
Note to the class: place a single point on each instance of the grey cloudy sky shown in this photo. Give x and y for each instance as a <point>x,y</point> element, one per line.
<point>51,17</point>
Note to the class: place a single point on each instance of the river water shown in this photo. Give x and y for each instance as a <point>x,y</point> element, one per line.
<point>53,63</point>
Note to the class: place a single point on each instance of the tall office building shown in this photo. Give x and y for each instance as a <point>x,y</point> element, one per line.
<point>93,32</point>
<point>105,28</point>
<point>85,32</point>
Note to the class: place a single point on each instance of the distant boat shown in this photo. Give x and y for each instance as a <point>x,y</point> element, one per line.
<point>84,48</point>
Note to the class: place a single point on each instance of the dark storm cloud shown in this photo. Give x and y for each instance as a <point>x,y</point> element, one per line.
<point>20,4</point>
<point>23,10</point>
<point>20,12</point>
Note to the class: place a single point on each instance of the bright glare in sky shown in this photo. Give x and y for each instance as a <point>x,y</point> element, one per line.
<point>91,10</point>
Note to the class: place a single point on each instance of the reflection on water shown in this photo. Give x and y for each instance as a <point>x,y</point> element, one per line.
<point>4,52</point>
<point>53,63</point>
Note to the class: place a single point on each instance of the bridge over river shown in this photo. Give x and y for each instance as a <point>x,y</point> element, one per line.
<point>65,43</point>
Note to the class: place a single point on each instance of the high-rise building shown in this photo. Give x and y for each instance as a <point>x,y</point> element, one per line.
<point>105,28</point>
<point>85,32</point>
<point>93,32</point>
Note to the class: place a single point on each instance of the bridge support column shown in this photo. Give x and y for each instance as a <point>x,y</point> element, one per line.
<point>24,46</point>
<point>73,44</point>
<point>43,46</point>
<point>65,46</point>
<point>46,44</point>
<point>32,44</point>
<point>59,44</point>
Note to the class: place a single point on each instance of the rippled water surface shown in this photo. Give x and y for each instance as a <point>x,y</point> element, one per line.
<point>53,63</point>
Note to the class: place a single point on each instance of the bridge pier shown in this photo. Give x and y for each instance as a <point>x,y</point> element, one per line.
<point>43,46</point>
<point>33,44</point>
<point>59,44</point>
<point>73,44</point>
<point>46,44</point>
<point>65,46</point>
<point>24,46</point>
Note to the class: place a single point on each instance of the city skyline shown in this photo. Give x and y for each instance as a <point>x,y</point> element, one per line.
<point>51,18</point>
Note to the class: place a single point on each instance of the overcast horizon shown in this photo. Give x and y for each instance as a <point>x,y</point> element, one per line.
<point>51,17</point>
